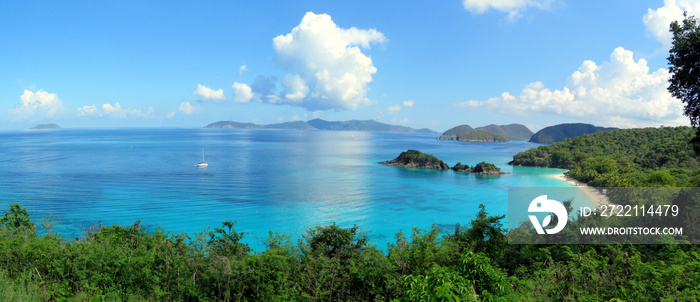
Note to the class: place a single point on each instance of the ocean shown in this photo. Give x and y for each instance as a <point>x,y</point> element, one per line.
<point>285,181</point>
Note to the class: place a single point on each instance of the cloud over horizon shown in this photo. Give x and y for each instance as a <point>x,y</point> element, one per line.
<point>207,93</point>
<point>37,104</point>
<point>621,92</point>
<point>187,108</point>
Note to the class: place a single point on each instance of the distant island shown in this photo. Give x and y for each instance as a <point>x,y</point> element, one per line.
<point>477,136</point>
<point>319,124</point>
<point>45,127</point>
<point>558,133</point>
<point>510,131</point>
<point>490,133</point>
<point>418,160</point>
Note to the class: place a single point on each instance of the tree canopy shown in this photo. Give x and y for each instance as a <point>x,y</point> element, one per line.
<point>684,58</point>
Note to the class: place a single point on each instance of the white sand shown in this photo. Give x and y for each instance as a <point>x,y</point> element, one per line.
<point>593,194</point>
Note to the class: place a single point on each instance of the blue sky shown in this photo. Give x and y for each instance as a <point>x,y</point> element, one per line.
<point>421,64</point>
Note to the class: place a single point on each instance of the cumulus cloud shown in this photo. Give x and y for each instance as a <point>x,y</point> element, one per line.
<point>117,111</point>
<point>620,92</point>
<point>242,93</point>
<point>327,68</point>
<point>512,7</point>
<point>37,104</point>
<point>408,103</point>
<point>187,108</point>
<point>658,21</point>
<point>242,69</point>
<point>114,111</point>
<point>295,87</point>
<point>89,111</point>
<point>207,93</point>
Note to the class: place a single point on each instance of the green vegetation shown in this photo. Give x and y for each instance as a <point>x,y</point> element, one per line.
<point>417,159</point>
<point>501,133</point>
<point>459,167</point>
<point>480,168</point>
<point>685,69</point>
<point>481,136</point>
<point>457,130</point>
<point>512,131</point>
<point>558,133</point>
<point>486,168</point>
<point>330,263</point>
<point>623,158</point>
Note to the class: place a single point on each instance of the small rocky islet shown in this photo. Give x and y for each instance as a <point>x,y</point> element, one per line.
<point>418,160</point>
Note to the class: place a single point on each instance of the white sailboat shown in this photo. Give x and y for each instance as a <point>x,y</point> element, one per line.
<point>203,163</point>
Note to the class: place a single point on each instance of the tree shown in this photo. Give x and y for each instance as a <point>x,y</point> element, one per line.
<point>16,219</point>
<point>684,58</point>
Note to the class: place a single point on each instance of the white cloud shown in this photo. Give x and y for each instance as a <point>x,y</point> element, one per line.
<point>408,103</point>
<point>512,7</point>
<point>207,93</point>
<point>117,111</point>
<point>393,109</point>
<point>621,92</point>
<point>328,69</point>
<point>35,104</point>
<point>89,111</point>
<point>658,21</point>
<point>242,69</point>
<point>187,108</point>
<point>242,93</point>
<point>296,88</point>
<point>170,115</point>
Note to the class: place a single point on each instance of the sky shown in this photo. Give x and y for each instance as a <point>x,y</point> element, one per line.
<point>434,64</point>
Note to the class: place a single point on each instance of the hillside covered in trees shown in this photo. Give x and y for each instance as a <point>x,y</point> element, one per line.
<point>558,133</point>
<point>623,158</point>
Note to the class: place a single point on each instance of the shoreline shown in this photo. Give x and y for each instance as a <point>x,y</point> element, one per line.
<point>598,198</point>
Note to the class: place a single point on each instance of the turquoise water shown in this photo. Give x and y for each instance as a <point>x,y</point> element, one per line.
<point>285,181</point>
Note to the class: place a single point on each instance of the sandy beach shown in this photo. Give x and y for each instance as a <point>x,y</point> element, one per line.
<point>593,194</point>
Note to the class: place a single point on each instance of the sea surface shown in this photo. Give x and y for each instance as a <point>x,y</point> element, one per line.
<point>286,181</point>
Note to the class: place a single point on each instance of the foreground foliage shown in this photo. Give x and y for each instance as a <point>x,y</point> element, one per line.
<point>330,263</point>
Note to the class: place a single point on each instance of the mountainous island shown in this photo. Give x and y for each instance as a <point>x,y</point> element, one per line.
<point>45,127</point>
<point>490,133</point>
<point>511,131</point>
<point>477,136</point>
<point>558,133</point>
<point>319,124</point>
<point>418,160</point>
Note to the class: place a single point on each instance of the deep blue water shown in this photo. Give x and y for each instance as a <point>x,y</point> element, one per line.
<point>285,181</point>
